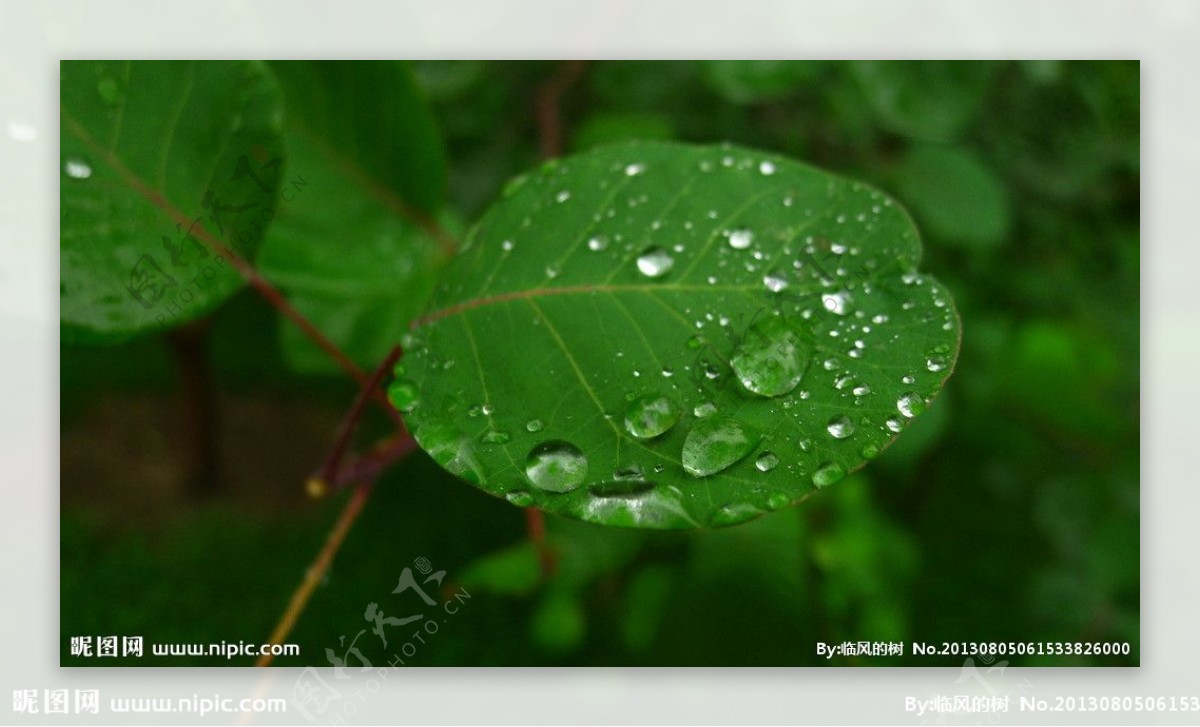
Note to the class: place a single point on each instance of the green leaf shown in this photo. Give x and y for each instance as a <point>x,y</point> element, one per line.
<point>163,164</point>
<point>356,246</point>
<point>954,195</point>
<point>776,306</point>
<point>925,99</point>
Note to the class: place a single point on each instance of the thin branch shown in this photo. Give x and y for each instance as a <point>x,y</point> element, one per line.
<point>316,572</point>
<point>333,462</point>
<point>548,106</point>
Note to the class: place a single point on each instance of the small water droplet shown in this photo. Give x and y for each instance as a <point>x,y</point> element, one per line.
<point>741,239</point>
<point>404,395</point>
<point>827,474</point>
<point>836,303</point>
<point>507,245</point>
<point>695,342</point>
<point>734,514</point>
<point>110,90</point>
<point>487,410</point>
<point>597,243</point>
<point>703,410</point>
<point>766,462</point>
<point>805,444</point>
<point>552,271</point>
<point>910,404</point>
<point>556,466</point>
<point>869,451</point>
<point>770,361</point>
<point>520,498</point>
<point>493,436</point>
<point>893,424</point>
<point>766,168</point>
<point>775,282</point>
<point>632,170</point>
<point>840,427</point>
<point>534,425</point>
<point>76,167</point>
<point>562,196</point>
<point>715,444</point>
<point>778,500</point>
<point>650,416</point>
<point>655,262</point>
<point>935,363</point>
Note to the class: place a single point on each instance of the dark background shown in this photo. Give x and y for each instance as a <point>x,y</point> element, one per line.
<point>1007,512</point>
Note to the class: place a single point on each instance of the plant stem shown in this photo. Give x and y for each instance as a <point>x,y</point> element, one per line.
<point>535,525</point>
<point>548,106</point>
<point>340,444</point>
<point>316,572</point>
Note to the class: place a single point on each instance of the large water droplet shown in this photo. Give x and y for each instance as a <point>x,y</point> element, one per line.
<point>77,167</point>
<point>840,427</point>
<point>649,416</point>
<point>556,466</point>
<point>716,443</point>
<point>741,239</point>
<point>404,395</point>
<point>766,462</point>
<point>827,474</point>
<point>910,404</point>
<point>655,262</point>
<point>770,360</point>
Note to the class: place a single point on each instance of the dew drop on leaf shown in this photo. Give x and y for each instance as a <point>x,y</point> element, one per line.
<point>520,498</point>
<point>732,514</point>
<point>493,436</point>
<point>650,416</point>
<point>704,409</point>
<point>769,360</point>
<point>597,243</point>
<point>893,424</point>
<point>827,474</point>
<point>840,427</point>
<point>403,394</point>
<point>76,167</point>
<point>655,262</point>
<point>533,425</point>
<point>778,500</point>
<point>716,443</point>
<point>741,239</point>
<point>910,404</point>
<point>556,466</point>
<point>766,462</point>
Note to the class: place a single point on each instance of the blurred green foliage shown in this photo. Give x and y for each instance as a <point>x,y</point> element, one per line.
<point>1009,512</point>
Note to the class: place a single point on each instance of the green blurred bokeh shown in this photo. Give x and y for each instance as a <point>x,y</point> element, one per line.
<point>1009,512</point>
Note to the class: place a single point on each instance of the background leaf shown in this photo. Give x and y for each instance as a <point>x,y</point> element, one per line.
<point>356,244</point>
<point>666,336</point>
<point>160,160</point>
